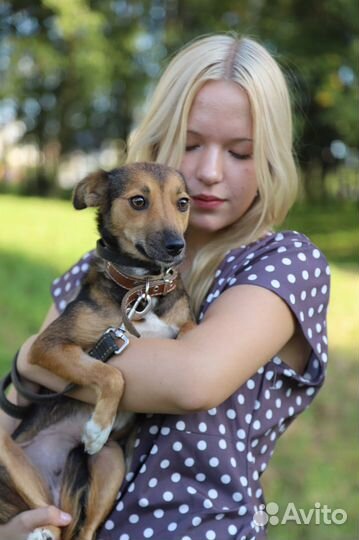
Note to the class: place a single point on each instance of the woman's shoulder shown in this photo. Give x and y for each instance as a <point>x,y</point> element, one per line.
<point>285,248</point>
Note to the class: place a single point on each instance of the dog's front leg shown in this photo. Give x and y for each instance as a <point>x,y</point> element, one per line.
<point>69,362</point>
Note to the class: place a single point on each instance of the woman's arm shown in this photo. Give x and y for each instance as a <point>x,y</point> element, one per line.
<point>243,329</point>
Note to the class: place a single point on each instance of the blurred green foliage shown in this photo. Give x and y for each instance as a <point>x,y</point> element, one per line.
<point>77,71</point>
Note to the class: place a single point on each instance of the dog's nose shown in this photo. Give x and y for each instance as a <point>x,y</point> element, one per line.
<point>174,246</point>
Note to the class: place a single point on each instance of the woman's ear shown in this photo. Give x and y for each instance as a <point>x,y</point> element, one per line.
<point>91,190</point>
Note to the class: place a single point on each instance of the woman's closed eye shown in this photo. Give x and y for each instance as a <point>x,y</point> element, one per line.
<point>190,147</point>
<point>237,155</point>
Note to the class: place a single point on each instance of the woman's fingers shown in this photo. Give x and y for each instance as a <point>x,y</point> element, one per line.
<point>22,525</point>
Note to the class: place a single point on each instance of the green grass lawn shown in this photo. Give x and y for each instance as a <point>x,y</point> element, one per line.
<point>316,460</point>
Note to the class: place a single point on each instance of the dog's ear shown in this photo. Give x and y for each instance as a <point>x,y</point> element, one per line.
<point>91,190</point>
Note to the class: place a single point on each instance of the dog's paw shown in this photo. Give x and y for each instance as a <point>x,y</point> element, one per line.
<point>94,437</point>
<point>41,534</point>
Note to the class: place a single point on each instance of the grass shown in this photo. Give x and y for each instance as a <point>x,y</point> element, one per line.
<point>316,459</point>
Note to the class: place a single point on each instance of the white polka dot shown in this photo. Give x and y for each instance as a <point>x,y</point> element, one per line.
<point>165,431</point>
<point>291,278</point>
<point>237,497</point>
<point>242,510</point>
<point>183,509</point>
<point>316,253</point>
<point>191,490</point>
<point>269,268</point>
<point>134,518</point>
<point>269,414</point>
<point>286,261</point>
<point>177,446</point>
<point>305,275</point>
<point>278,237</point>
<point>303,295</point>
<point>176,477</point>
<point>317,272</point>
<point>211,535</point>
<point>241,434</point>
<point>212,412</point>
<point>222,429</point>
<point>164,464</point>
<point>232,530</point>
<point>213,494</point>
<point>225,479</point>
<point>256,424</point>
<point>75,270</point>
<point>231,414</point>
<point>269,375</point>
<point>222,443</point>
<point>292,299</point>
<point>189,462</point>
<point>214,462</point>
<point>248,418</point>
<point>250,384</point>
<point>202,445</point>
<point>148,533</point>
<point>241,399</point>
<point>172,526</point>
<point>200,477</point>
<point>275,283</point>
<point>324,289</point>
<point>143,502</point>
<point>57,291</point>
<point>196,521</point>
<point>243,480</point>
<point>85,267</point>
<point>202,427</point>
<point>298,244</point>
<point>153,482</point>
<point>252,277</point>
<point>158,513</point>
<point>207,503</point>
<point>181,426</point>
<point>109,525</point>
<point>62,305</point>
<point>301,257</point>
<point>240,446</point>
<point>168,496</point>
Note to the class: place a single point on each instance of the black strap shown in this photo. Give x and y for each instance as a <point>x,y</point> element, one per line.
<point>17,411</point>
<point>103,350</point>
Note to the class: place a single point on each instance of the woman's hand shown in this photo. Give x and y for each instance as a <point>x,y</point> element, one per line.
<point>23,524</point>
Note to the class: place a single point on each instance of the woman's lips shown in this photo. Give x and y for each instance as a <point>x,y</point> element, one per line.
<point>206,202</point>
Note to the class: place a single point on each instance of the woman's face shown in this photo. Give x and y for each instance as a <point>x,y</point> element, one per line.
<point>218,162</point>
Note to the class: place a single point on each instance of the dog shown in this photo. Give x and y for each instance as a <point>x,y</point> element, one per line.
<point>58,455</point>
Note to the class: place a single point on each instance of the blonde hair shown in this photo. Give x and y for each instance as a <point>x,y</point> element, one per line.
<point>161,137</point>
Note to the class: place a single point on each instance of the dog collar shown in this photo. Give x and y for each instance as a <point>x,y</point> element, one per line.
<point>150,285</point>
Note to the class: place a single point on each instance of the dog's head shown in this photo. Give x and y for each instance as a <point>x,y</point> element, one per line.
<point>143,210</point>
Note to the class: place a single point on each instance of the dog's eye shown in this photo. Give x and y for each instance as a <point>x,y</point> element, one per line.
<point>183,204</point>
<point>138,202</point>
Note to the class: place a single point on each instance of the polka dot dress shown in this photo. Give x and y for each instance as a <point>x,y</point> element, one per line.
<point>197,476</point>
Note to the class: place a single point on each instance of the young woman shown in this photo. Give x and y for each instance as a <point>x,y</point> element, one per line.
<point>216,400</point>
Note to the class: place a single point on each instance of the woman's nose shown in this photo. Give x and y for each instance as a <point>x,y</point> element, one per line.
<point>210,169</point>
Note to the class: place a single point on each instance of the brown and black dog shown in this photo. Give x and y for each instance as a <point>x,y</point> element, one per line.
<point>58,455</point>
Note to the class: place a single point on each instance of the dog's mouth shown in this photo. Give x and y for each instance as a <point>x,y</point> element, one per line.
<point>170,251</point>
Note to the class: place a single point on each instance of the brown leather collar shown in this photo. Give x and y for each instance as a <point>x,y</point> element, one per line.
<point>150,285</point>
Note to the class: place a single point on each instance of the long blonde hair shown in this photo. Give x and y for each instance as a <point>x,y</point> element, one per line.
<point>161,137</point>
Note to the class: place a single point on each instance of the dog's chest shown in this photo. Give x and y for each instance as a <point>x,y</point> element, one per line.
<point>152,326</point>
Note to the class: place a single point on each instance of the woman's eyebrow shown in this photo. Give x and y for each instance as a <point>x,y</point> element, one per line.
<point>232,141</point>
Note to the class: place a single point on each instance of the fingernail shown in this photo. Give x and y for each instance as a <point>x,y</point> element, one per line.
<point>65,518</point>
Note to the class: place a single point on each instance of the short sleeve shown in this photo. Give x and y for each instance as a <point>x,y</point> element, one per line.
<point>65,288</point>
<point>292,267</point>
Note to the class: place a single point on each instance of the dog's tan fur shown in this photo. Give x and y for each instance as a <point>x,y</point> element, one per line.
<point>62,347</point>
